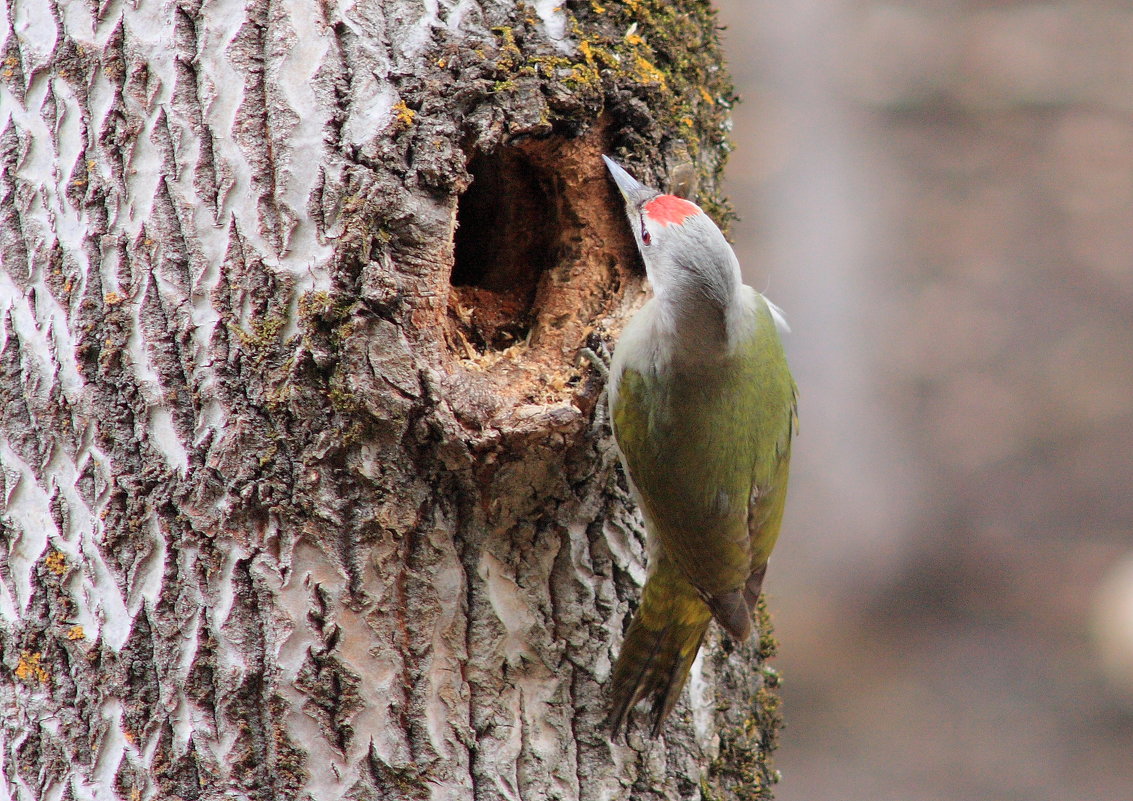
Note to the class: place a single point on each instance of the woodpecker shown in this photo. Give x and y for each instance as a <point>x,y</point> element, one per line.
<point>703,409</point>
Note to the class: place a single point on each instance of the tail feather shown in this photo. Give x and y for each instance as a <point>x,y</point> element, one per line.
<point>659,647</point>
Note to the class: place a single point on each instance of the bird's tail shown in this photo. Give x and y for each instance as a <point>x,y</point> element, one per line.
<point>659,647</point>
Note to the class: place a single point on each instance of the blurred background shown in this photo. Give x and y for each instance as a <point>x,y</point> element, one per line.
<point>940,195</point>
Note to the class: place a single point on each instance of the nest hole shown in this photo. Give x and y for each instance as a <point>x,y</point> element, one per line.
<point>507,227</point>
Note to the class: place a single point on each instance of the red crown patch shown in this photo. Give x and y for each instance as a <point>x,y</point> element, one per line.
<point>669,209</point>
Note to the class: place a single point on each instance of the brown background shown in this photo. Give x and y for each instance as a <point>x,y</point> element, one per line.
<point>940,195</point>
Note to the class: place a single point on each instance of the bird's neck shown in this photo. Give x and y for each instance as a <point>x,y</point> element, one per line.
<point>697,323</point>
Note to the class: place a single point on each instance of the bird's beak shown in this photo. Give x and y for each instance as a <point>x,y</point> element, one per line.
<point>632,190</point>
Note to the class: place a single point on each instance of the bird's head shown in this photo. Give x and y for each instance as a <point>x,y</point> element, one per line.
<point>681,247</point>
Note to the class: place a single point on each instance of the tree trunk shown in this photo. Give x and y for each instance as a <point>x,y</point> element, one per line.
<point>305,491</point>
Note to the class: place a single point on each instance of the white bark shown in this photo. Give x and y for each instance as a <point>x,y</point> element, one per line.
<point>272,527</point>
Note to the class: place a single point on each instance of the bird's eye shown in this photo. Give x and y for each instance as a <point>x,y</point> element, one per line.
<point>645,237</point>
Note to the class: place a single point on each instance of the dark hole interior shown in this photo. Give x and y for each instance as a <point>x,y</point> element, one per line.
<point>505,239</point>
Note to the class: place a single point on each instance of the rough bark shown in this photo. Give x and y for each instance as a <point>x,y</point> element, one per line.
<point>304,491</point>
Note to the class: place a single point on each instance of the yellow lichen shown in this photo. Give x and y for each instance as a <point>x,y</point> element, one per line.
<point>403,115</point>
<point>29,668</point>
<point>647,72</point>
<point>112,298</point>
<point>56,562</point>
<point>76,633</point>
<point>583,75</point>
<point>510,54</point>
